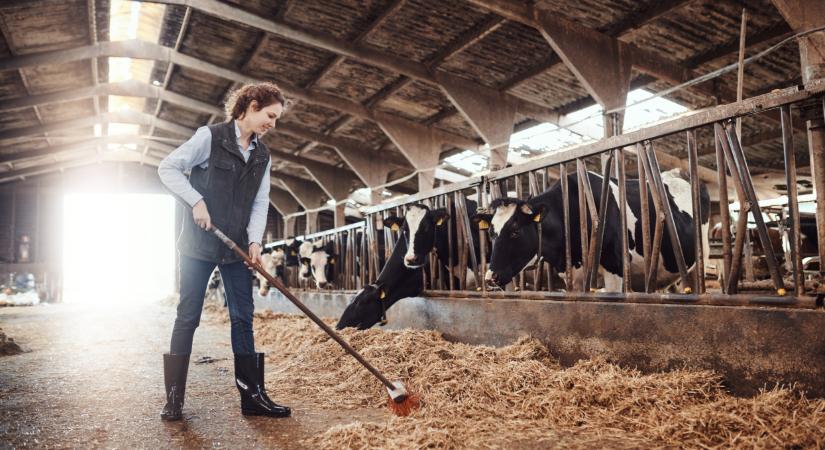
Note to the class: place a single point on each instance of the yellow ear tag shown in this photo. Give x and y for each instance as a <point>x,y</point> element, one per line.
<point>537,218</point>
<point>383,295</point>
<point>483,225</point>
<point>395,227</point>
<point>440,221</point>
<point>332,260</point>
<point>293,253</point>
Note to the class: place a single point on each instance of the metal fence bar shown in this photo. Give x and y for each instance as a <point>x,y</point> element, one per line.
<point>793,200</point>
<point>724,215</point>
<point>622,182</point>
<point>644,202</point>
<point>568,258</point>
<point>693,163</point>
<point>656,245</point>
<point>599,225</point>
<point>669,222</point>
<point>742,220</point>
<point>761,228</point>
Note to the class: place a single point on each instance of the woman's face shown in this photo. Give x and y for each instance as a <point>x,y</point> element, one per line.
<point>262,121</point>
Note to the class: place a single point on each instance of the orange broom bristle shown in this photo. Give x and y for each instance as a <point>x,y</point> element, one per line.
<point>405,407</point>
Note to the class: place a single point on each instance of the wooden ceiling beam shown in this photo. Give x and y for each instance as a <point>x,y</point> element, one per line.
<point>331,44</point>
<point>150,51</point>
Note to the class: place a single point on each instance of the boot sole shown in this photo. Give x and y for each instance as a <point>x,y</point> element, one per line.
<point>252,412</point>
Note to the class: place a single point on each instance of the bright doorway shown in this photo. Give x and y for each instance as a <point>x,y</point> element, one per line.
<point>118,247</point>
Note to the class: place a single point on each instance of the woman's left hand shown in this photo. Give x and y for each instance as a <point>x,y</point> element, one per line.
<point>255,253</point>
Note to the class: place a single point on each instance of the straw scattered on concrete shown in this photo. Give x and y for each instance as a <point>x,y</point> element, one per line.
<point>519,396</point>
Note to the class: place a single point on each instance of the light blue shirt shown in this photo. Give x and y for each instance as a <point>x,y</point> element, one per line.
<point>195,152</point>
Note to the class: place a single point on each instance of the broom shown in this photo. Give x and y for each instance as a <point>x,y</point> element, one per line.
<point>401,402</point>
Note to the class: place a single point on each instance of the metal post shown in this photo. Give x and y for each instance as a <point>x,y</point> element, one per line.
<point>582,216</point>
<point>644,201</point>
<point>724,214</point>
<point>761,228</point>
<point>669,222</point>
<point>568,265</point>
<point>793,200</point>
<point>698,239</point>
<point>620,178</point>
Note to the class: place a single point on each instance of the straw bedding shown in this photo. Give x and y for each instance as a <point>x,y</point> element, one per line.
<point>518,396</point>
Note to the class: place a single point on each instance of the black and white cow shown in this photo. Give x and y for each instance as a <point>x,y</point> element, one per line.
<point>290,248</point>
<point>427,229</point>
<point>318,261</point>
<point>272,261</point>
<point>395,282</point>
<point>516,235</point>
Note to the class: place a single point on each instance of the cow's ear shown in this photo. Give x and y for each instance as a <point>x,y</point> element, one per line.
<point>393,222</point>
<point>533,213</point>
<point>482,219</point>
<point>441,217</point>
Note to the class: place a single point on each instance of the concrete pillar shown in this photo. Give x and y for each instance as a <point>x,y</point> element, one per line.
<point>336,183</point>
<point>601,63</point>
<point>372,169</point>
<point>804,15</point>
<point>305,192</point>
<point>312,222</point>
<point>419,145</point>
<point>490,112</point>
<point>375,196</point>
<point>339,218</point>
<point>289,227</point>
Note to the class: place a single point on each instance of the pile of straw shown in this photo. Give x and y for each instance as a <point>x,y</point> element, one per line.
<point>519,396</point>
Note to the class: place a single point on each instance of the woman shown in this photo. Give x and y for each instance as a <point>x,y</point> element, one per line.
<point>229,188</point>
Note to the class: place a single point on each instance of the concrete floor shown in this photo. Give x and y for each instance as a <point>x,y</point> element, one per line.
<point>93,378</point>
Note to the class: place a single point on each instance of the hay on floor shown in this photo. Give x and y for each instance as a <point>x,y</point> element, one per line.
<point>519,396</point>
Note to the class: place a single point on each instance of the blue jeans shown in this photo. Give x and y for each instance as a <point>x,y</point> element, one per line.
<point>237,280</point>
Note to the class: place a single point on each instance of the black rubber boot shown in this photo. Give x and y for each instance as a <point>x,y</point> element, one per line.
<point>259,360</point>
<point>175,369</point>
<point>249,379</point>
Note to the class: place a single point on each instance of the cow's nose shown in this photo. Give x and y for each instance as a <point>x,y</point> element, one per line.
<point>411,259</point>
<point>322,284</point>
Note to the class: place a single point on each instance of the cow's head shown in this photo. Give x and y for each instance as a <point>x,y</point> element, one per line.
<point>291,248</point>
<point>278,256</point>
<point>365,310</point>
<point>305,250</point>
<point>419,226</point>
<point>512,226</point>
<point>322,262</point>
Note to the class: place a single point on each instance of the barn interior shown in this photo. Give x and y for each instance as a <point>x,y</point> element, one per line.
<point>400,102</point>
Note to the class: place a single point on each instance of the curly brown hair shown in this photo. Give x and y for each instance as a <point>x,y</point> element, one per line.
<point>264,94</point>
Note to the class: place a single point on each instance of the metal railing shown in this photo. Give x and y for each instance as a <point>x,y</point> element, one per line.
<point>609,157</point>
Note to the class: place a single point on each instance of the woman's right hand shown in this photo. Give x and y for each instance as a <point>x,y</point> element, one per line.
<point>201,215</point>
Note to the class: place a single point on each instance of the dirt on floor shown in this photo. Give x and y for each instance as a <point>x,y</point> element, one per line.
<point>8,346</point>
<point>94,379</point>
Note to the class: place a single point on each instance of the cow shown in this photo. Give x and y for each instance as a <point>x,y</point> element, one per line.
<point>428,229</point>
<point>322,262</point>
<point>273,263</point>
<point>396,281</point>
<point>513,228</point>
<point>317,263</point>
<point>291,259</point>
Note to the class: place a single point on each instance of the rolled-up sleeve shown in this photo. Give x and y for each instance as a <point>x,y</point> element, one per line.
<point>194,152</point>
<point>260,209</point>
